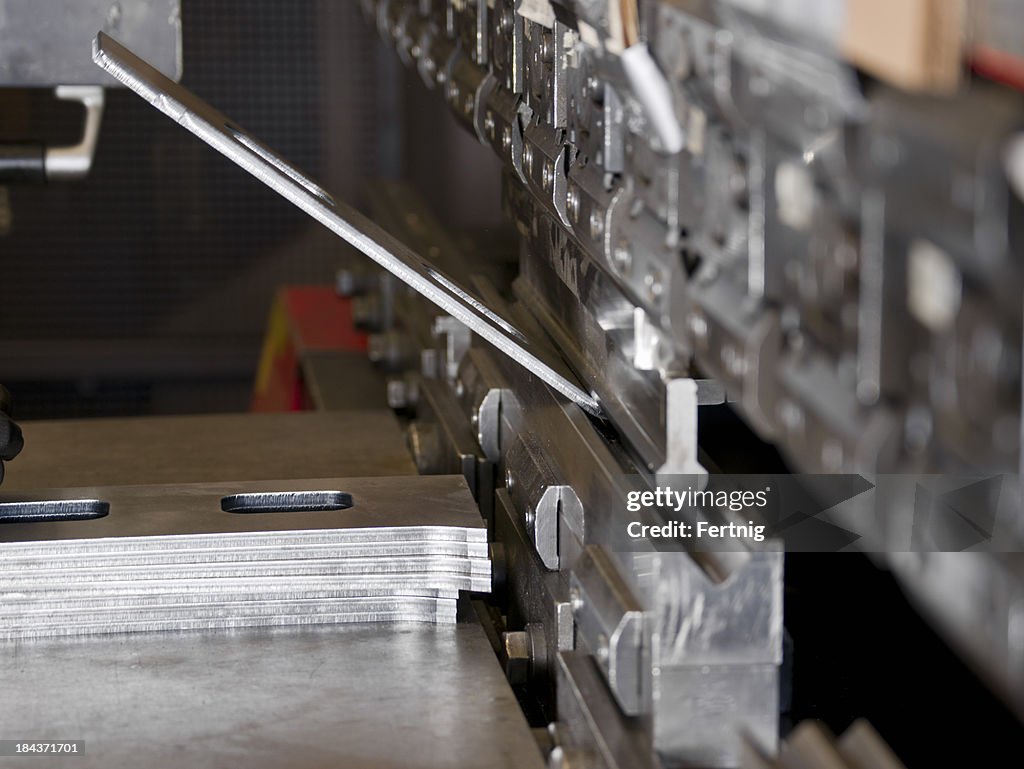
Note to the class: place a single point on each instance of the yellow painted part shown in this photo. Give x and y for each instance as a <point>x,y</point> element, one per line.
<point>275,342</point>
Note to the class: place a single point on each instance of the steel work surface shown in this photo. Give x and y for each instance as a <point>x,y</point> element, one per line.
<point>195,449</point>
<point>353,696</point>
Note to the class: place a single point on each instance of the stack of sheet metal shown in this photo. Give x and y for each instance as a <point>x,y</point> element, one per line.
<point>212,556</point>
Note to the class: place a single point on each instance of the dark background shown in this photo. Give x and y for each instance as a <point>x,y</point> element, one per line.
<point>145,288</point>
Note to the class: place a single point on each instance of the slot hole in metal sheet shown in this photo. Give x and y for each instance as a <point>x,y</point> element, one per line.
<point>475,303</point>
<point>286,502</point>
<point>288,170</point>
<point>53,510</point>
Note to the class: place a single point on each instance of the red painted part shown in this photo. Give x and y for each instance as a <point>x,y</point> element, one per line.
<point>304,319</point>
<point>998,65</point>
<point>321,320</point>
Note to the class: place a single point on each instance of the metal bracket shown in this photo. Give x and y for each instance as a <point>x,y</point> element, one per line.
<point>456,342</point>
<point>610,625</point>
<point>74,162</point>
<point>360,232</point>
<point>681,401</point>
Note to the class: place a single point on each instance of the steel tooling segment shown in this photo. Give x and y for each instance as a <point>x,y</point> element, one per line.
<point>180,514</point>
<point>220,133</point>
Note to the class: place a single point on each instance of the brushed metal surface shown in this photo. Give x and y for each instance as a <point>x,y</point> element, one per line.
<point>472,574</point>
<point>206,448</point>
<point>163,510</point>
<point>15,602</point>
<point>16,563</point>
<point>39,623</point>
<point>354,696</point>
<point>176,556</point>
<point>41,43</point>
<point>323,587</point>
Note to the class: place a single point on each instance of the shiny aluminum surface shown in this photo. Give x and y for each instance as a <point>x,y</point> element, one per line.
<point>477,574</point>
<point>323,587</point>
<point>181,557</point>
<point>43,623</point>
<point>67,559</point>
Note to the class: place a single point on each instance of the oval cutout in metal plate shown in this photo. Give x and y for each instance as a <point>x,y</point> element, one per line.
<point>286,502</point>
<point>43,511</point>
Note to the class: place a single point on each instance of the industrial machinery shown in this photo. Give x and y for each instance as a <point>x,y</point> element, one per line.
<point>759,249</point>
